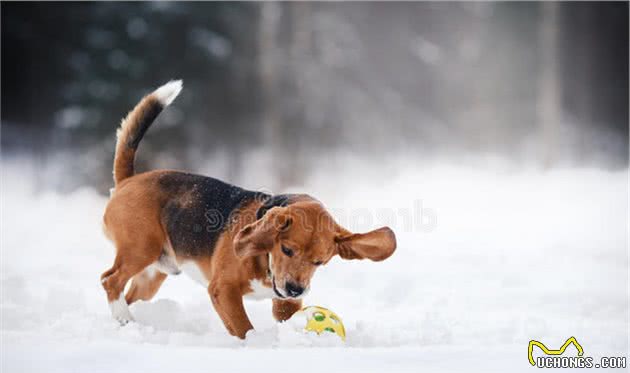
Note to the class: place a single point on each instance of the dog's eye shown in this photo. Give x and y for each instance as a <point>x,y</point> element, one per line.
<point>286,251</point>
<point>318,263</point>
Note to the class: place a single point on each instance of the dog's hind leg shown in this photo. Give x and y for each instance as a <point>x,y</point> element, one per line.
<point>126,265</point>
<point>145,285</point>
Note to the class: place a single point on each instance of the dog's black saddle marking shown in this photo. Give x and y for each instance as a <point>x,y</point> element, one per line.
<point>198,210</point>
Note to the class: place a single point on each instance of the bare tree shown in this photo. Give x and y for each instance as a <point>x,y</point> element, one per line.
<point>269,49</point>
<point>549,115</point>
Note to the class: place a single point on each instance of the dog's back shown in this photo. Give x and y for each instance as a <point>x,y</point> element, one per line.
<point>158,216</point>
<point>198,209</point>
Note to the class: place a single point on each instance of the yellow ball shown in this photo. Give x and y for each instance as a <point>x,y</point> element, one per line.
<point>322,320</point>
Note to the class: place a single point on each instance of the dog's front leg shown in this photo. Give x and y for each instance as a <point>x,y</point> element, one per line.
<point>228,302</point>
<point>284,309</point>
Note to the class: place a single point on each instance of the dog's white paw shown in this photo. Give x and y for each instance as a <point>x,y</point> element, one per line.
<point>120,310</point>
<point>123,321</point>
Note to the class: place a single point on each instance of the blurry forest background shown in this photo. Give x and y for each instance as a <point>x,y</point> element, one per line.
<point>533,83</point>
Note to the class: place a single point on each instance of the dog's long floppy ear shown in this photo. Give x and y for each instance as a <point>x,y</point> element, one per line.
<point>376,245</point>
<point>260,236</point>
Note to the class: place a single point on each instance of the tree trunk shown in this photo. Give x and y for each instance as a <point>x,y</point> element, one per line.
<point>549,114</point>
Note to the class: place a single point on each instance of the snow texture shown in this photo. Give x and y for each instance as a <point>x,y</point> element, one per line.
<point>497,259</point>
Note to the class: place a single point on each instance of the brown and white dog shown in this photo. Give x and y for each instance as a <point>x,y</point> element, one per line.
<point>235,242</point>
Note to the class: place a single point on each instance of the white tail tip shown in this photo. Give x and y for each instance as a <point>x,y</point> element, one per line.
<point>168,92</point>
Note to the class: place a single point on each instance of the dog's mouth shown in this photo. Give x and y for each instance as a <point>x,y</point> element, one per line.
<point>275,289</point>
<point>280,293</point>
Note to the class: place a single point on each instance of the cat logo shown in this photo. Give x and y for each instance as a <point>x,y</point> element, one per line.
<point>547,351</point>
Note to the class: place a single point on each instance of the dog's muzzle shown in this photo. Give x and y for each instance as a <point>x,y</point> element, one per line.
<point>275,288</point>
<point>291,289</point>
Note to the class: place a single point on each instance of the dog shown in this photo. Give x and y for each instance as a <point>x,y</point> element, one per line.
<point>237,243</point>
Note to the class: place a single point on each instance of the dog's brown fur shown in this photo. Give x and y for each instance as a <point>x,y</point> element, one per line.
<point>143,220</point>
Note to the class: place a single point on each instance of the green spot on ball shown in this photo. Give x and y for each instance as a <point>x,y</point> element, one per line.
<point>319,316</point>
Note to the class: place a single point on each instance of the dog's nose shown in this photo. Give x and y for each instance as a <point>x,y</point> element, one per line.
<point>293,290</point>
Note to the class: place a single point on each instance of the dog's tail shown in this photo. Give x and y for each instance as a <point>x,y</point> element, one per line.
<point>136,123</point>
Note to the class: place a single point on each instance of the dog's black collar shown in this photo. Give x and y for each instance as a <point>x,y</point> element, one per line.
<point>271,202</point>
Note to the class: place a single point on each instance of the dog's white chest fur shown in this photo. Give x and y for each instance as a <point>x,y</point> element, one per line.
<point>192,270</point>
<point>259,290</point>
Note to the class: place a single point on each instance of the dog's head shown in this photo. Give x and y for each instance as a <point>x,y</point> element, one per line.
<point>302,236</point>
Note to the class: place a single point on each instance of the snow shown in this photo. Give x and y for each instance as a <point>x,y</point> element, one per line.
<point>487,260</point>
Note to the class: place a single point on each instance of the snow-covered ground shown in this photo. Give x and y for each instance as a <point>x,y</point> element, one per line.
<point>487,260</point>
